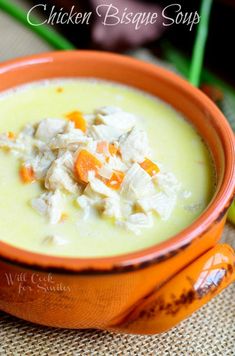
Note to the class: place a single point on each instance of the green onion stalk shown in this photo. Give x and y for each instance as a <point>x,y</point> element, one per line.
<point>195,72</point>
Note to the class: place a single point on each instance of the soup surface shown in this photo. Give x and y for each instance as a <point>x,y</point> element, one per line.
<point>174,143</point>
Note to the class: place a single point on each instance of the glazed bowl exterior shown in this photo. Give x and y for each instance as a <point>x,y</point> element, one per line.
<point>144,292</point>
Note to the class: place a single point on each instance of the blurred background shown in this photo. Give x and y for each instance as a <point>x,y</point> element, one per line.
<point>168,46</point>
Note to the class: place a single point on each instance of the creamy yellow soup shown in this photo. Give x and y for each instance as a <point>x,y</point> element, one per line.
<point>174,143</point>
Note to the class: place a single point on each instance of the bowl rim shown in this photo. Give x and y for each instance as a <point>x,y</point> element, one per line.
<point>156,253</point>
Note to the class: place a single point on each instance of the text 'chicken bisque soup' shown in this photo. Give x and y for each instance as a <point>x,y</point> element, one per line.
<point>93,168</point>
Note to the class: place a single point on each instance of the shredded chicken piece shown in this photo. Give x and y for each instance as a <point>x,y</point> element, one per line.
<point>49,128</point>
<point>20,146</point>
<point>118,120</point>
<point>71,140</point>
<point>105,171</point>
<point>160,202</point>
<point>28,130</point>
<point>55,240</point>
<point>167,182</point>
<point>136,222</point>
<point>58,176</point>
<point>116,164</point>
<point>41,163</point>
<point>108,110</point>
<point>137,183</point>
<point>86,204</point>
<point>105,133</point>
<point>112,207</point>
<point>99,187</point>
<point>114,152</point>
<point>135,147</point>
<point>50,205</point>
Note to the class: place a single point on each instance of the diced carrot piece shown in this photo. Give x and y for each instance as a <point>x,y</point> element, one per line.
<point>78,119</point>
<point>116,180</point>
<point>150,167</point>
<point>102,145</point>
<point>27,174</point>
<point>11,135</point>
<point>85,163</point>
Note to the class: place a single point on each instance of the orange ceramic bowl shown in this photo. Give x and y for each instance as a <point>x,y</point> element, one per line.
<point>143,292</point>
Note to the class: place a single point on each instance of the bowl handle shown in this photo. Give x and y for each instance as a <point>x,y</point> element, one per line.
<point>183,294</point>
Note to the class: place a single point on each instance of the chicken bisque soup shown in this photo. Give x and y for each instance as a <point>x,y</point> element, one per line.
<point>94,168</point>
